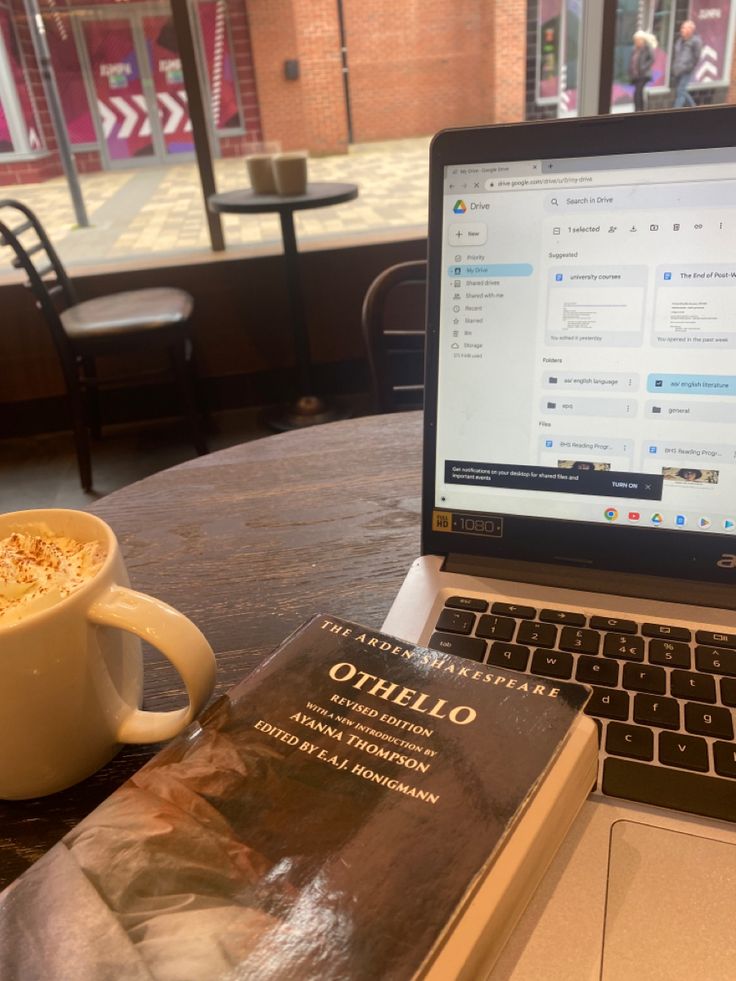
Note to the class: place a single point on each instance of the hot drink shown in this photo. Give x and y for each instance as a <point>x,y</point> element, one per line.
<point>36,571</point>
<point>71,665</point>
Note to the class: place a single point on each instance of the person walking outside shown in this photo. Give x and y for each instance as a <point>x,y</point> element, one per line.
<point>640,65</point>
<point>685,57</point>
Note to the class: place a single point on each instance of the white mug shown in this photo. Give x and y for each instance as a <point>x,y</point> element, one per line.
<point>71,675</point>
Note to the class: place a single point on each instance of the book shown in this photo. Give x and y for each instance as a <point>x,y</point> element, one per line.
<point>356,808</point>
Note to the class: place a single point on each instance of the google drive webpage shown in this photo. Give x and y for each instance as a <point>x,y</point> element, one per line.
<point>587,363</point>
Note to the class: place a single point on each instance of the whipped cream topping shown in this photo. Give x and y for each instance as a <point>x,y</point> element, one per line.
<point>36,571</point>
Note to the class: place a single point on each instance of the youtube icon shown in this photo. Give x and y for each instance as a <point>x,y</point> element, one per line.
<point>634,515</point>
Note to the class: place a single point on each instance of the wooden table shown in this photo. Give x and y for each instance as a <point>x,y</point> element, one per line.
<point>309,408</point>
<point>249,542</point>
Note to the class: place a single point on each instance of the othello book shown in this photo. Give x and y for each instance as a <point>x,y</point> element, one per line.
<point>357,808</point>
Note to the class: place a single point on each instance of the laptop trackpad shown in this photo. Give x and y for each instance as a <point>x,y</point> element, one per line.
<point>669,906</point>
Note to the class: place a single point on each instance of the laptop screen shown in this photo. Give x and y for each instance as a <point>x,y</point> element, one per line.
<point>587,340</point>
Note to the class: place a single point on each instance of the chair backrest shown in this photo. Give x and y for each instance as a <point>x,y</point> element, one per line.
<point>394,314</point>
<point>46,276</point>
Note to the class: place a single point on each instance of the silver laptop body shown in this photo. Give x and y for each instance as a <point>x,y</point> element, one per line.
<point>579,502</point>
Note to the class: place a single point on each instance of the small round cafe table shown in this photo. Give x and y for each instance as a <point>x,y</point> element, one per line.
<point>309,408</point>
<point>249,542</point>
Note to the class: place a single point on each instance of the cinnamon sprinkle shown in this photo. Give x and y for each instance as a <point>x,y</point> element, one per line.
<point>37,571</point>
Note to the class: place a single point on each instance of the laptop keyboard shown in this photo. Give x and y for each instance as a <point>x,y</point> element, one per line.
<point>663,699</point>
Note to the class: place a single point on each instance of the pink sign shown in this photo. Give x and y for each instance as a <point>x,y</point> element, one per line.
<point>22,89</point>
<point>711,25</point>
<point>69,79</point>
<point>121,102</point>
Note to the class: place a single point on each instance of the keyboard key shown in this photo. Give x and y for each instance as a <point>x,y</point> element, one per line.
<point>715,660</point>
<point>724,755</point>
<point>511,610</point>
<point>707,720</point>
<point>670,653</point>
<point>720,640</point>
<point>696,687</point>
<point>624,647</point>
<point>500,628</point>
<point>687,752</point>
<point>595,671</point>
<point>632,741</point>
<point>728,692</point>
<point>456,621</point>
<point>650,710</point>
<point>694,793</point>
<point>512,656</point>
<point>665,632</point>
<point>469,647</point>
<point>584,641</point>
<point>563,617</point>
<point>613,623</point>
<point>551,664</point>
<point>467,603</point>
<point>644,677</point>
<point>537,634</point>
<point>608,704</point>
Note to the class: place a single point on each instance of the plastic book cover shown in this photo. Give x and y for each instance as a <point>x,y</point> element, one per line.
<point>327,819</point>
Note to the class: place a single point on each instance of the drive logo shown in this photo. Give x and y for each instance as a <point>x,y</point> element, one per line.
<point>460,207</point>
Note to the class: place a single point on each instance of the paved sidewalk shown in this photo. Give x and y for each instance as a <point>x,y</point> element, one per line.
<point>158,211</point>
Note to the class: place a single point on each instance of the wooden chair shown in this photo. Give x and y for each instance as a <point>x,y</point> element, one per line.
<point>133,321</point>
<point>394,311</point>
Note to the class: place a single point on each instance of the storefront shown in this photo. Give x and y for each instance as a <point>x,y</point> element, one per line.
<point>557,28</point>
<point>120,82</point>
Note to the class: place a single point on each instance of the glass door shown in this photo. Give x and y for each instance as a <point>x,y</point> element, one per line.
<point>124,109</point>
<point>168,83</point>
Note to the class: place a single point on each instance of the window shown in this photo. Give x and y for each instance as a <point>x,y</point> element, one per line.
<point>19,128</point>
<point>362,90</point>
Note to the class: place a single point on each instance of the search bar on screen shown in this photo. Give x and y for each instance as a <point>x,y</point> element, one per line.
<point>641,197</point>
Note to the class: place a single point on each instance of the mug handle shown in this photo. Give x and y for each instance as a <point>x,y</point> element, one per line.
<point>178,639</point>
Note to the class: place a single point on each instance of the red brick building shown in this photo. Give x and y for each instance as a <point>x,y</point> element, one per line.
<point>412,69</point>
<point>314,74</point>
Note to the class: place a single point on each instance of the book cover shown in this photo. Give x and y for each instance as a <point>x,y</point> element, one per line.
<point>329,818</point>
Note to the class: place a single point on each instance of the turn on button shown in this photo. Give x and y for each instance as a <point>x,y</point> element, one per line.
<point>467,233</point>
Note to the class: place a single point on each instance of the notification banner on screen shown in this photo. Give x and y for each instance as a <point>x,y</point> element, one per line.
<point>560,480</point>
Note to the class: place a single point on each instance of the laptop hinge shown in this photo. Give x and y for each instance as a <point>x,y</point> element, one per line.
<point>595,580</point>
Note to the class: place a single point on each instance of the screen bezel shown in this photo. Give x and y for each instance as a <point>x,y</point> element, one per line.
<point>657,551</point>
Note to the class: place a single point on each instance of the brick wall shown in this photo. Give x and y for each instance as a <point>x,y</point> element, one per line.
<point>308,113</point>
<point>421,65</point>
<point>509,41</point>
<point>233,146</point>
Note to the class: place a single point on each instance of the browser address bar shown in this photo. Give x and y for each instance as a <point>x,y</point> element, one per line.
<point>533,183</point>
<point>612,178</point>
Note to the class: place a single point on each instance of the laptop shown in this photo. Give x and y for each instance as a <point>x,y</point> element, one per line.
<point>579,502</point>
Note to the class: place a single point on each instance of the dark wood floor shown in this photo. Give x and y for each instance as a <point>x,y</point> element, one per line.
<point>41,471</point>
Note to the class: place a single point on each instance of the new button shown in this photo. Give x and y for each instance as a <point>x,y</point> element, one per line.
<point>467,233</point>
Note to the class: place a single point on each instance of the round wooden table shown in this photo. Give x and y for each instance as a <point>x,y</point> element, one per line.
<point>308,409</point>
<point>249,542</point>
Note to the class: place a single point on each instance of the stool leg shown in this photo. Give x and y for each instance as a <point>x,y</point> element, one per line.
<point>81,438</point>
<point>92,395</point>
<point>185,383</point>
